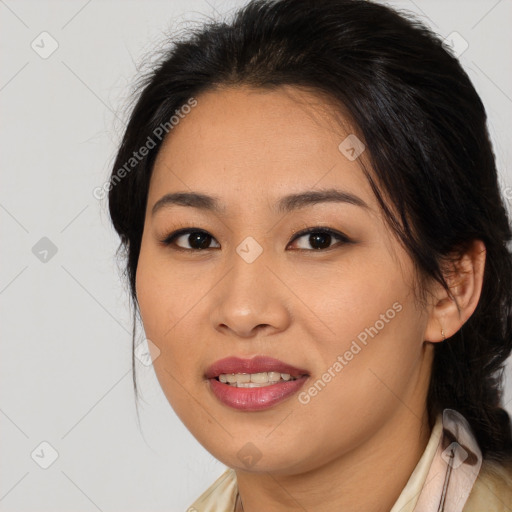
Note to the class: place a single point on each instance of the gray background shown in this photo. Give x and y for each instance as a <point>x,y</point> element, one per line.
<point>65,365</point>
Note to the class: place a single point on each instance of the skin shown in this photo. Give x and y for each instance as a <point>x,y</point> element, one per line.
<point>354,445</point>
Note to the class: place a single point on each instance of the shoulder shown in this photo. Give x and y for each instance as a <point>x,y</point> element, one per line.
<point>492,490</point>
<point>220,496</point>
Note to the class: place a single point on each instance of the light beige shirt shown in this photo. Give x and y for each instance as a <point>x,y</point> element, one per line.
<point>442,481</point>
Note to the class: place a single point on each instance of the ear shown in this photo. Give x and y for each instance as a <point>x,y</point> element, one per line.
<point>464,275</point>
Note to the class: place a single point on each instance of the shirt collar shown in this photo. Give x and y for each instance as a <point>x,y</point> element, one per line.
<point>441,481</point>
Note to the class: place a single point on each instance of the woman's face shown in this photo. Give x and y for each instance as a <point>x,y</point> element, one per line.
<point>339,308</point>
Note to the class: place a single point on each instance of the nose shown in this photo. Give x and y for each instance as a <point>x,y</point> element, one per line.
<point>251,300</point>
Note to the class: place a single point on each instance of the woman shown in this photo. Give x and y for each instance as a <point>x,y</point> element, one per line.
<point>317,247</point>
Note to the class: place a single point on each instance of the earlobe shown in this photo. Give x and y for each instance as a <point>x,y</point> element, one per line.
<point>449,311</point>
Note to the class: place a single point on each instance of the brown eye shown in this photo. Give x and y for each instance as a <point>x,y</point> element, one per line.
<point>316,239</point>
<point>320,239</point>
<point>198,240</point>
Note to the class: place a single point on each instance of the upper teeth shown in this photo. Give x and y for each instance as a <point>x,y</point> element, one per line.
<point>255,378</point>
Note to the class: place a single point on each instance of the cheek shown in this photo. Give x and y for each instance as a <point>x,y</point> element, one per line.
<point>165,302</point>
<point>157,295</point>
<point>369,328</point>
<point>156,306</point>
<point>349,297</point>
<point>149,299</point>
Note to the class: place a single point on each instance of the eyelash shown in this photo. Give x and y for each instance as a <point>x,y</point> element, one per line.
<point>169,239</point>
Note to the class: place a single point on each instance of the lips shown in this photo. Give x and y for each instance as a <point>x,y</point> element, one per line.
<point>258,364</point>
<point>254,398</point>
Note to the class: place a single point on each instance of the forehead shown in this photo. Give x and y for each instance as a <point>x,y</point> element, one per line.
<point>256,142</point>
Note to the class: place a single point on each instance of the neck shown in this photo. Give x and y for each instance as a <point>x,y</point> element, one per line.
<point>370,477</point>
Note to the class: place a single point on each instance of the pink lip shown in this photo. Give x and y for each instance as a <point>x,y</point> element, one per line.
<point>254,399</point>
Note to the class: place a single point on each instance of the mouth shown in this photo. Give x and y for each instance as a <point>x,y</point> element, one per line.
<point>258,370</point>
<point>255,380</point>
<point>254,384</point>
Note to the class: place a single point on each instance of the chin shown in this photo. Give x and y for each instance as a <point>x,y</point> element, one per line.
<point>254,457</point>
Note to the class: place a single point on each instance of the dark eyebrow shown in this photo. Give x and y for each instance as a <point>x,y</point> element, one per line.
<point>285,204</point>
<point>303,199</point>
<point>192,199</point>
